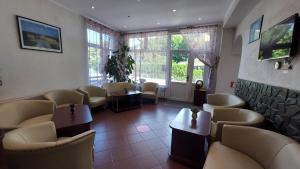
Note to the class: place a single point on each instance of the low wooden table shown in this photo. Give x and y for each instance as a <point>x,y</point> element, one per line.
<point>122,101</point>
<point>189,139</point>
<point>68,124</point>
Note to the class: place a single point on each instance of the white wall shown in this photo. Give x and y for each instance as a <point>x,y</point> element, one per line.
<point>229,63</point>
<point>26,72</point>
<point>274,11</point>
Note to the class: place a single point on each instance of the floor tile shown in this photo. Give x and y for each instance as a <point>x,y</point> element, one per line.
<point>135,139</point>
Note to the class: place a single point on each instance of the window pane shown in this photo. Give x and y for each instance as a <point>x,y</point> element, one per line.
<point>93,37</point>
<point>198,70</point>
<point>178,42</point>
<point>179,66</point>
<point>150,55</point>
<point>153,67</point>
<point>94,62</point>
<point>107,41</point>
<point>156,43</point>
<point>136,43</point>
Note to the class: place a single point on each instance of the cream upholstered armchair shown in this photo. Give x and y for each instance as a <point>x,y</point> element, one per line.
<point>25,112</point>
<point>222,100</point>
<point>63,98</point>
<point>150,91</point>
<point>96,96</point>
<point>37,147</point>
<point>233,116</point>
<point>252,148</point>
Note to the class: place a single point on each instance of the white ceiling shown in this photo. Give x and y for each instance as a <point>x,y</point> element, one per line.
<point>150,14</point>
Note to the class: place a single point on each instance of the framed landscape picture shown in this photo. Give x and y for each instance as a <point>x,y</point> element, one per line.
<point>255,29</point>
<point>36,35</point>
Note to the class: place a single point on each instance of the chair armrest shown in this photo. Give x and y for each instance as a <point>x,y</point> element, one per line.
<point>85,96</point>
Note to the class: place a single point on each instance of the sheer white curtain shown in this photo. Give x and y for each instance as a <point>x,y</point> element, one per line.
<point>202,43</point>
<point>151,53</point>
<point>101,41</point>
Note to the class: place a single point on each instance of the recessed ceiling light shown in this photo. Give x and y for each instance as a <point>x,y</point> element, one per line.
<point>174,10</point>
<point>199,18</point>
<point>158,23</point>
<point>93,7</point>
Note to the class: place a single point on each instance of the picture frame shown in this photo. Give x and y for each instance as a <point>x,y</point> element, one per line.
<point>35,35</point>
<point>255,29</point>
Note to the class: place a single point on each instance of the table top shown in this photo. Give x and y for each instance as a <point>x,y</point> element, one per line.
<point>123,93</point>
<point>63,117</point>
<point>183,121</point>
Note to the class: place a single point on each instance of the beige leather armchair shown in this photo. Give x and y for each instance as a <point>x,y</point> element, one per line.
<point>25,112</point>
<point>150,91</point>
<point>37,147</point>
<point>222,100</point>
<point>63,98</point>
<point>233,116</point>
<point>253,148</point>
<point>96,96</point>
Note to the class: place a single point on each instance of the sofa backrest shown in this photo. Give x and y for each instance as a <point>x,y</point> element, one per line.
<point>261,145</point>
<point>224,99</point>
<point>13,113</point>
<point>287,158</point>
<point>119,86</point>
<point>93,91</point>
<point>65,97</point>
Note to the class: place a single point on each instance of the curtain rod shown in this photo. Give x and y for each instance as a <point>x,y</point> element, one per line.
<point>170,29</point>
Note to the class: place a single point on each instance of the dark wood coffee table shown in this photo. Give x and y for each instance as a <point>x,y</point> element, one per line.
<point>68,125</point>
<point>189,139</point>
<point>122,101</point>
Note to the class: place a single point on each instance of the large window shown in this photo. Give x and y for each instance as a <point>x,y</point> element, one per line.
<point>94,57</point>
<point>150,53</point>
<point>101,42</point>
<point>180,61</point>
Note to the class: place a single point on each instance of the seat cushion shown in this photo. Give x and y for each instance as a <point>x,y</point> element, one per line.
<point>97,101</point>
<point>149,94</point>
<point>220,156</point>
<point>36,120</point>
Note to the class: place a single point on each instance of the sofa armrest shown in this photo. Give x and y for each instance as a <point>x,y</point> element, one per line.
<point>259,144</point>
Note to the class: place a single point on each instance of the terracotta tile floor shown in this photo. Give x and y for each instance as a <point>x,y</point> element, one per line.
<point>135,139</point>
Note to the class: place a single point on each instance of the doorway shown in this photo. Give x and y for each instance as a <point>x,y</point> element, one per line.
<point>184,75</point>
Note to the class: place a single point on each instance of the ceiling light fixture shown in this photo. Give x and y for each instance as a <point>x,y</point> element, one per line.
<point>199,18</point>
<point>158,23</point>
<point>93,7</point>
<point>174,10</point>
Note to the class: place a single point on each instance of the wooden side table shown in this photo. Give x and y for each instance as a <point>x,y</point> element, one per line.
<point>199,97</point>
<point>68,125</point>
<point>189,138</point>
<point>2,155</point>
